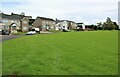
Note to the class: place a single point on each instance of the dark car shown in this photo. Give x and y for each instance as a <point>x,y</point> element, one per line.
<point>5,32</point>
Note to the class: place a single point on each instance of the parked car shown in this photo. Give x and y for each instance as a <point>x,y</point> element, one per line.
<point>31,33</point>
<point>5,32</point>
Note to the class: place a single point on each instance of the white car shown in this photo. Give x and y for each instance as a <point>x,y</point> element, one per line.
<point>0,31</point>
<point>31,32</point>
<point>65,30</point>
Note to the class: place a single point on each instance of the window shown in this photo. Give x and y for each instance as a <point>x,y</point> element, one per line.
<point>52,27</point>
<point>25,22</point>
<point>43,21</point>
<point>46,22</point>
<point>6,27</point>
<point>53,22</point>
<point>5,20</point>
<point>25,28</point>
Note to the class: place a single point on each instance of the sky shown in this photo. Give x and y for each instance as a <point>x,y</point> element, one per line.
<point>87,11</point>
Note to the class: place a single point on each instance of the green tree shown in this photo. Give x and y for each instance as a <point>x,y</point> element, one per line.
<point>116,26</point>
<point>99,26</point>
<point>109,25</point>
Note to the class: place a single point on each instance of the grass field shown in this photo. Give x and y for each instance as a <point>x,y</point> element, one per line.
<point>71,53</point>
<point>0,58</point>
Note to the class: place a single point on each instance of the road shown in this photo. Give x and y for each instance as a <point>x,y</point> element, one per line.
<point>8,37</point>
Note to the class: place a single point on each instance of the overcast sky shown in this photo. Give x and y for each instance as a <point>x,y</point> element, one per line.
<point>87,11</point>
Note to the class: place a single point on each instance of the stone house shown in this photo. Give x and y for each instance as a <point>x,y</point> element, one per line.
<point>14,22</point>
<point>44,24</point>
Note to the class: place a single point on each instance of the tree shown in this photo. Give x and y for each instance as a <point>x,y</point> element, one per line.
<point>95,27</point>
<point>109,25</point>
<point>116,26</point>
<point>99,26</point>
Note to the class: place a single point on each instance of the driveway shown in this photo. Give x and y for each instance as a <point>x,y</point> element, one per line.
<point>8,37</point>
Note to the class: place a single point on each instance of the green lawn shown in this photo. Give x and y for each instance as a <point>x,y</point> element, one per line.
<point>71,53</point>
<point>0,59</point>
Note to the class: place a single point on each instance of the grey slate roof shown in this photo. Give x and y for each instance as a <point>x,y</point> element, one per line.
<point>44,18</point>
<point>57,21</point>
<point>80,23</point>
<point>12,16</point>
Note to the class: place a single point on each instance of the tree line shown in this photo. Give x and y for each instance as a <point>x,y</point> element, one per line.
<point>108,25</point>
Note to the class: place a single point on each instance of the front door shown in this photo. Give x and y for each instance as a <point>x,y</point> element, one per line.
<point>13,27</point>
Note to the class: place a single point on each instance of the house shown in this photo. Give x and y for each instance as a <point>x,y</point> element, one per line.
<point>14,22</point>
<point>43,24</point>
<point>65,24</point>
<point>1,23</point>
<point>80,26</point>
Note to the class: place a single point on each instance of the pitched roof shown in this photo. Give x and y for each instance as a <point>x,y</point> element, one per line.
<point>69,21</point>
<point>57,21</point>
<point>28,17</point>
<point>80,23</point>
<point>12,16</point>
<point>44,18</point>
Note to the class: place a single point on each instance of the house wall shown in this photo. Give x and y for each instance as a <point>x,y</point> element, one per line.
<point>0,23</point>
<point>72,25</point>
<point>7,23</point>
<point>65,25</point>
<point>62,25</point>
<point>58,26</point>
<point>47,24</point>
<point>25,24</point>
<point>44,24</point>
<point>38,24</point>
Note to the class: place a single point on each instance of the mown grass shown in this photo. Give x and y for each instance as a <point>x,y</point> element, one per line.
<point>0,58</point>
<point>71,53</point>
